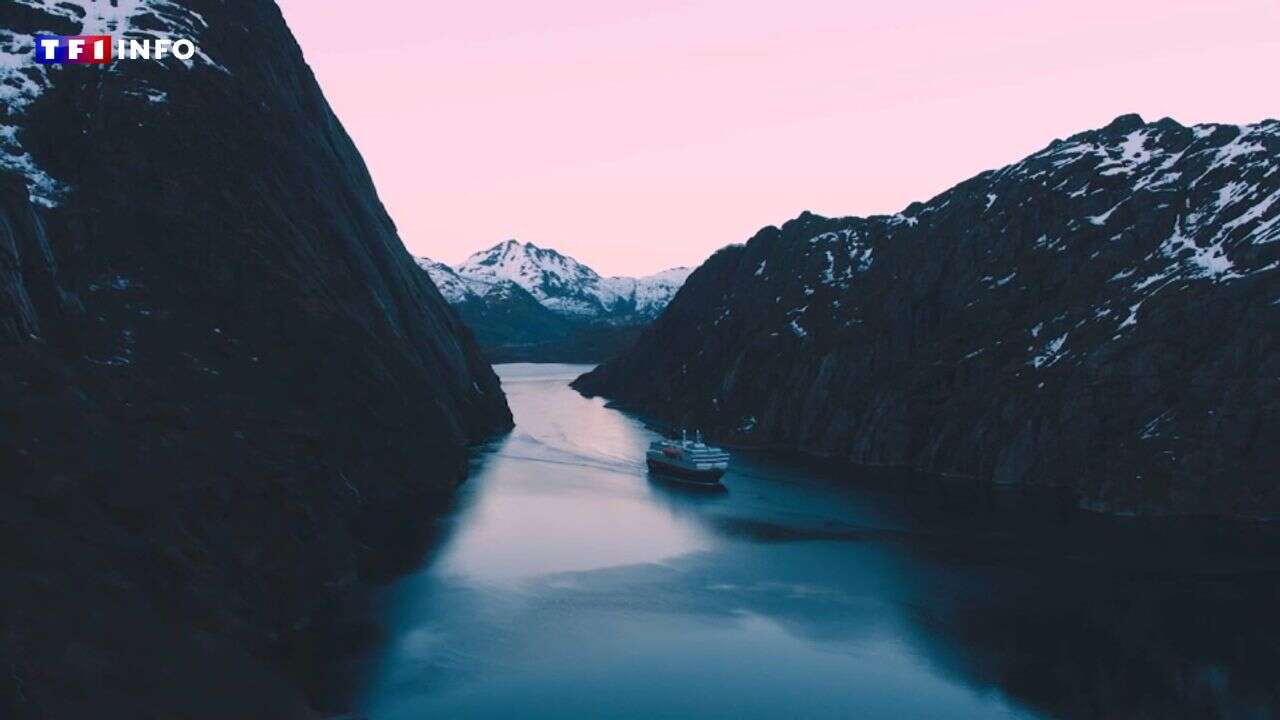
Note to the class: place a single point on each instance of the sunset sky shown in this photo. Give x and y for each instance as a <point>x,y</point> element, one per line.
<point>637,136</point>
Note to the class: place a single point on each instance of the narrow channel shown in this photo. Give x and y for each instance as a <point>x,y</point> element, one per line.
<point>572,584</point>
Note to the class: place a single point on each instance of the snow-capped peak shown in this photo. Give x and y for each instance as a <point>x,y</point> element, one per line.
<point>560,283</point>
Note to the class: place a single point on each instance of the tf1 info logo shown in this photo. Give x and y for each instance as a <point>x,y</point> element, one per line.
<point>101,49</point>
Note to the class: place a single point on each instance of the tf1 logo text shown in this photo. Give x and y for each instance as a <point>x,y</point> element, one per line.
<point>101,50</point>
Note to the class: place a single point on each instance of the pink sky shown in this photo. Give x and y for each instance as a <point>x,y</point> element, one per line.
<point>636,136</point>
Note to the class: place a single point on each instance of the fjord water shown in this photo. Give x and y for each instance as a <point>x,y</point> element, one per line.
<point>571,584</point>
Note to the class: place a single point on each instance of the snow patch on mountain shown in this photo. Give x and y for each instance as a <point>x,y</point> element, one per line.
<point>1050,354</point>
<point>1104,217</point>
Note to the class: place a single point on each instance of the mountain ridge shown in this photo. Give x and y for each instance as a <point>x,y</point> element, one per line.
<point>993,330</point>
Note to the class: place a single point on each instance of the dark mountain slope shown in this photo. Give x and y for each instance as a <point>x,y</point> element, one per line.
<point>227,393</point>
<point>1101,316</point>
<point>510,325</point>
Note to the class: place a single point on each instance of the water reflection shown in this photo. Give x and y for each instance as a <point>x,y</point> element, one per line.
<point>573,585</point>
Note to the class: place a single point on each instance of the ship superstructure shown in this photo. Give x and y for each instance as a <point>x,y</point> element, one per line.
<point>688,459</point>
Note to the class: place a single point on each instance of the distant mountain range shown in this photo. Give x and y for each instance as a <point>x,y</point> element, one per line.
<point>1102,316</point>
<point>526,303</point>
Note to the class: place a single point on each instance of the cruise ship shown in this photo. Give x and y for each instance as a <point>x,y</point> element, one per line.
<point>695,461</point>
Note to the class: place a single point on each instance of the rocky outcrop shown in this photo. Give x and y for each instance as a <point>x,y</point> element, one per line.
<point>28,268</point>
<point>227,393</point>
<point>1102,316</point>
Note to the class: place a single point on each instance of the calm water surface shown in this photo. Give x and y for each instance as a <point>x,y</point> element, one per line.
<point>570,584</point>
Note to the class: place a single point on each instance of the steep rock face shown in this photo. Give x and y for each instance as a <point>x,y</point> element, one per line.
<point>1101,316</point>
<point>28,269</point>
<point>226,390</point>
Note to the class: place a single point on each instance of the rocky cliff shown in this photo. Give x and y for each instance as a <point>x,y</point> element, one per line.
<point>1101,316</point>
<point>227,393</point>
